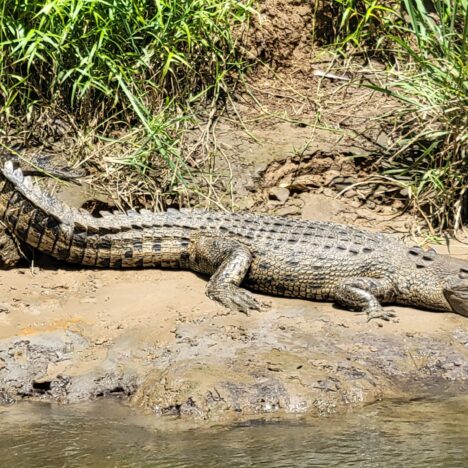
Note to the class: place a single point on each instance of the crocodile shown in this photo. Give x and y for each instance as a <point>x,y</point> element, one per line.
<point>358,269</point>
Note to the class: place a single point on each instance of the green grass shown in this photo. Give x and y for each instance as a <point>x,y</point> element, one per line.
<point>426,46</point>
<point>433,124</point>
<point>120,63</point>
<point>364,24</point>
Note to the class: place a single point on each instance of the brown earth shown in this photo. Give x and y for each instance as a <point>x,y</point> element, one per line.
<point>305,145</point>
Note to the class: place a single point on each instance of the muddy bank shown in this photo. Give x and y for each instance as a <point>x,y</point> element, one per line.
<point>154,339</point>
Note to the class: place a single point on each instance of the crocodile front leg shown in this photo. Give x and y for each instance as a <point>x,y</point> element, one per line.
<point>228,261</point>
<point>364,294</point>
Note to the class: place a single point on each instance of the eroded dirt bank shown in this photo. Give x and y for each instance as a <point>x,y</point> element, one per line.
<point>153,337</point>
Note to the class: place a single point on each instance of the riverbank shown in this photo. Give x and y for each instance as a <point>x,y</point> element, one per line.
<point>155,340</point>
<point>298,136</point>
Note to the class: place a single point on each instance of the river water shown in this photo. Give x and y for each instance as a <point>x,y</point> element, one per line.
<point>108,434</point>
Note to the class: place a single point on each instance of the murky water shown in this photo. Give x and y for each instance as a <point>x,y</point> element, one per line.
<point>106,434</point>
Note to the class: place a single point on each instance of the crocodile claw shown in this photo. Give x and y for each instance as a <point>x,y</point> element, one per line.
<point>235,298</point>
<point>381,313</point>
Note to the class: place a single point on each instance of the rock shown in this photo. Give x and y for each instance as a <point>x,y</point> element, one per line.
<point>351,193</point>
<point>398,205</point>
<point>279,193</point>
<point>245,203</point>
<point>288,210</point>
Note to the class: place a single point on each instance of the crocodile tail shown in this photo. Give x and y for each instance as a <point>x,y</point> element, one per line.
<point>78,219</point>
<point>41,200</point>
<point>26,208</point>
<point>43,165</point>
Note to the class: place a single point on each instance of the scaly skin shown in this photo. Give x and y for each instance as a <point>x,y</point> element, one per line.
<point>278,256</point>
<point>12,249</point>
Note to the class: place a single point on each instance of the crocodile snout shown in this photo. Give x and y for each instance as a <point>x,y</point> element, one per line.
<point>457,297</point>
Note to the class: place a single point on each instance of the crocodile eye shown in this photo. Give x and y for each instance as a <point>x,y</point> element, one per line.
<point>415,251</point>
<point>430,255</point>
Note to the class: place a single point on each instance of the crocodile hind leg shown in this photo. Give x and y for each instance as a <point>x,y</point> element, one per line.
<point>364,294</point>
<point>228,262</point>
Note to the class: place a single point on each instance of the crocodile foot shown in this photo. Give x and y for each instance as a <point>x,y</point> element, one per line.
<point>235,298</point>
<point>380,313</point>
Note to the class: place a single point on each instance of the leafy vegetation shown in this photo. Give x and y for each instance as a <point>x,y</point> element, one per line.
<point>364,23</point>
<point>132,73</point>
<point>431,150</point>
<point>428,44</point>
<point>120,63</point>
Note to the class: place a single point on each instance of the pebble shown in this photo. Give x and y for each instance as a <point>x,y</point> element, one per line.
<point>279,193</point>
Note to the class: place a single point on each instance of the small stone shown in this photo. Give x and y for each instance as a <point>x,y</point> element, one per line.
<point>259,169</point>
<point>279,193</point>
<point>350,193</point>
<point>246,203</point>
<point>398,205</point>
<point>288,211</point>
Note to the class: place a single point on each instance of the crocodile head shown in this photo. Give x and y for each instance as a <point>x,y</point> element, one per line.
<point>456,292</point>
<point>440,282</point>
